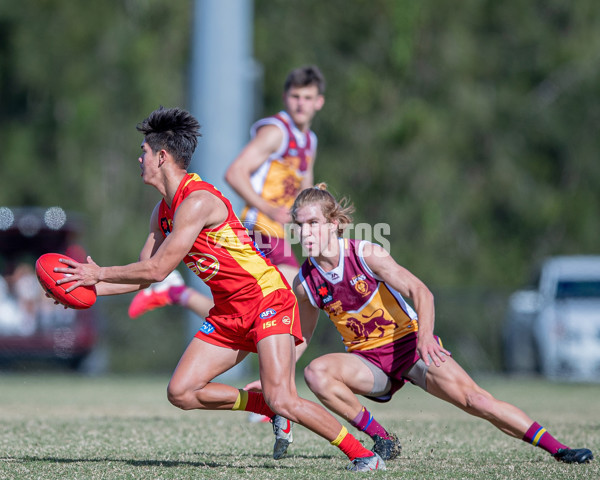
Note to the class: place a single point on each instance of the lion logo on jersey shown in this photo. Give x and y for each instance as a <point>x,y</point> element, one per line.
<point>377,321</point>
<point>360,285</point>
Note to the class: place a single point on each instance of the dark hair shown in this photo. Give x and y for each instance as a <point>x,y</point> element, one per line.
<point>332,209</point>
<point>174,130</point>
<point>304,77</point>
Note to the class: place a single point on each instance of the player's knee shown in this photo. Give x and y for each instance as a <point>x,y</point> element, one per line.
<point>316,376</point>
<point>282,403</point>
<point>278,405</point>
<point>176,397</point>
<point>181,397</point>
<point>479,403</point>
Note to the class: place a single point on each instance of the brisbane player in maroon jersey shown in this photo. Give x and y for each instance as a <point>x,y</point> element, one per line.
<point>388,343</point>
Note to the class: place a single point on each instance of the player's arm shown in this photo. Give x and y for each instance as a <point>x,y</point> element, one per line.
<point>409,286</point>
<point>153,241</point>
<point>308,179</point>
<point>266,142</point>
<point>309,316</point>
<point>198,210</point>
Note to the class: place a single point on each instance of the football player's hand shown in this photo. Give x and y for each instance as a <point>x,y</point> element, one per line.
<point>81,273</point>
<point>279,214</point>
<point>431,351</point>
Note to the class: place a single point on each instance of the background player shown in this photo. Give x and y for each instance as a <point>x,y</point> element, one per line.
<point>277,164</point>
<point>255,309</point>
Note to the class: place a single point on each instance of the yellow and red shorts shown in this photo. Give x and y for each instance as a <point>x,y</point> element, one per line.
<point>275,314</point>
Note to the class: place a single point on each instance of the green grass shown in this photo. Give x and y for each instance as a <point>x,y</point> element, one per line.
<point>72,427</point>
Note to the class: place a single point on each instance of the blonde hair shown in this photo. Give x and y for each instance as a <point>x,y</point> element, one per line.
<point>332,209</point>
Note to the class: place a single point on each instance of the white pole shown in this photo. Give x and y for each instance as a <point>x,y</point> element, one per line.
<point>223,76</point>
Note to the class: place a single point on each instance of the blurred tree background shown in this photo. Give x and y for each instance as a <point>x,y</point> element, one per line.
<point>470,128</point>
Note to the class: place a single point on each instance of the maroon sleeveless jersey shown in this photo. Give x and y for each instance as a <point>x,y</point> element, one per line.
<point>367,312</point>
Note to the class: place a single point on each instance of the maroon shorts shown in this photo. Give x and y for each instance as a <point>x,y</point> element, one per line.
<point>277,250</point>
<point>277,313</point>
<point>395,360</point>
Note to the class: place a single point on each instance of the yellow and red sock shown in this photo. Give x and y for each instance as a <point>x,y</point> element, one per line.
<point>350,446</point>
<point>252,402</point>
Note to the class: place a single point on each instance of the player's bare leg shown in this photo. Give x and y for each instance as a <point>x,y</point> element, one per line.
<point>198,303</point>
<point>277,360</point>
<point>289,272</point>
<point>336,379</point>
<point>191,384</point>
<point>277,371</point>
<point>191,387</point>
<point>451,383</point>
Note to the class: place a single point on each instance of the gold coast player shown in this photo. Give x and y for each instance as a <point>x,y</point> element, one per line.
<point>275,165</point>
<point>361,288</point>
<point>255,309</point>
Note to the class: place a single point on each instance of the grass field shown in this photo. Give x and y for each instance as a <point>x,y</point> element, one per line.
<point>70,427</point>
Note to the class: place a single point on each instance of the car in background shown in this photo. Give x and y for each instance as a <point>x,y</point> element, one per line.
<point>32,327</point>
<point>554,328</point>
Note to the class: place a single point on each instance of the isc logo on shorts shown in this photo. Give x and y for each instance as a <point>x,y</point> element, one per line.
<point>269,324</point>
<point>268,313</point>
<point>207,327</point>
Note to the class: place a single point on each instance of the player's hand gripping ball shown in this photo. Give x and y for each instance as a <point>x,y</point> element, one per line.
<point>79,298</point>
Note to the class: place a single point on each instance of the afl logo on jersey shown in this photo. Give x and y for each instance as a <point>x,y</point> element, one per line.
<point>268,313</point>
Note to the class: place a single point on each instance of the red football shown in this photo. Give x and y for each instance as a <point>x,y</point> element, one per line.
<point>79,298</point>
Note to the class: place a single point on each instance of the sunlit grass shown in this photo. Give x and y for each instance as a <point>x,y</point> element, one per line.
<point>57,427</point>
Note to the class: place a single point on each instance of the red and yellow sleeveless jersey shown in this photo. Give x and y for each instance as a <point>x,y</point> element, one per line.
<point>278,178</point>
<point>367,312</point>
<point>224,257</point>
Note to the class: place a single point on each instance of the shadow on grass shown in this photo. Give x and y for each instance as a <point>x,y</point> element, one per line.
<point>175,463</point>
